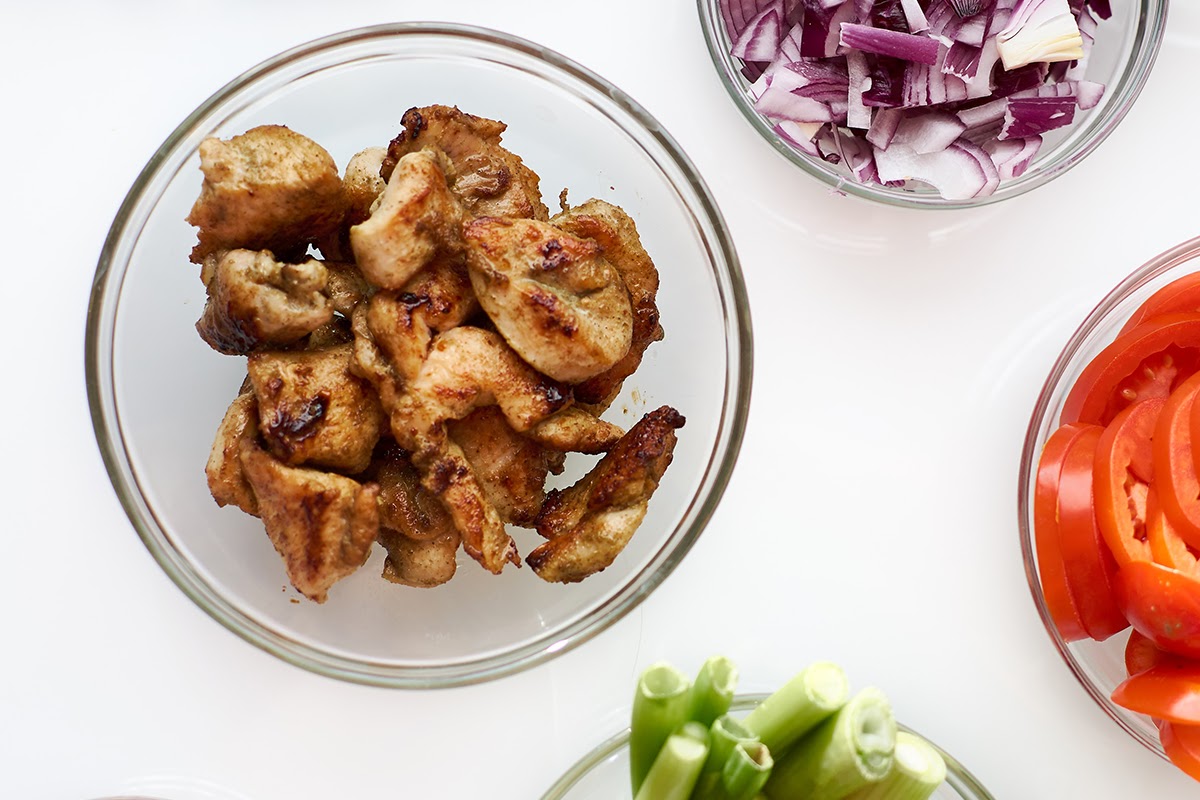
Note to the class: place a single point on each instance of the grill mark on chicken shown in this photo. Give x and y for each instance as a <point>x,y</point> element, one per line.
<point>291,429</point>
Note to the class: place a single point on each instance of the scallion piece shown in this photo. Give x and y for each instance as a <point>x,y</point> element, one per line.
<point>846,752</point>
<point>745,772</point>
<point>661,704</point>
<point>724,735</point>
<point>712,693</point>
<point>918,769</point>
<point>677,766</point>
<point>799,705</point>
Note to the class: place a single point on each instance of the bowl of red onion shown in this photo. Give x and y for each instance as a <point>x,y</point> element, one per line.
<point>934,103</point>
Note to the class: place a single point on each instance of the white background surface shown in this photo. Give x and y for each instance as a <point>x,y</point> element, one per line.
<point>871,520</point>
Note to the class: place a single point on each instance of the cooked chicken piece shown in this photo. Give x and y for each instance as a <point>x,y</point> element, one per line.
<point>511,468</point>
<point>267,189</point>
<point>490,180</point>
<point>254,300</point>
<point>331,334</point>
<point>615,232</point>
<point>321,523</point>
<point>553,296</point>
<point>590,523</point>
<point>361,186</point>
<point>404,504</point>
<point>370,363</point>
<point>416,219</point>
<point>404,323</point>
<point>576,430</point>
<point>468,368</point>
<point>345,286</point>
<point>226,479</point>
<point>421,564</point>
<point>311,410</point>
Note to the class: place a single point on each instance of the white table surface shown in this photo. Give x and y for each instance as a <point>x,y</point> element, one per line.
<point>871,519</point>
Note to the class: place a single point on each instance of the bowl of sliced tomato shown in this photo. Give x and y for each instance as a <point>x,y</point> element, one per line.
<point>1109,504</point>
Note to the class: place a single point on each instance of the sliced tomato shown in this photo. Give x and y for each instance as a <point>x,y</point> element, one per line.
<point>1090,566</point>
<point>1118,375</point>
<point>1175,464</point>
<point>1141,654</point>
<point>1123,471</point>
<point>1180,295</point>
<point>1167,547</point>
<point>1181,743</point>
<point>1052,571</point>
<point>1163,604</point>
<point>1169,692</point>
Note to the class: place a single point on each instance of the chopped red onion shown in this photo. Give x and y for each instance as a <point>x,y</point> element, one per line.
<point>760,40</point>
<point>906,46</point>
<point>1033,116</point>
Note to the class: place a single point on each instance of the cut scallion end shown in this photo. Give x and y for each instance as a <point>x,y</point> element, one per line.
<point>798,706</point>
<point>725,734</point>
<point>848,751</point>
<point>661,705</point>
<point>917,771</point>
<point>676,769</point>
<point>745,771</point>
<point>712,693</point>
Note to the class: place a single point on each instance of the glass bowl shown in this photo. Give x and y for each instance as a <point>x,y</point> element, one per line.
<point>603,774</point>
<point>1125,48</point>
<point>1099,666</point>
<point>157,392</point>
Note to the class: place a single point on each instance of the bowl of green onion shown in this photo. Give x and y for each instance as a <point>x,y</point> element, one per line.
<point>812,738</point>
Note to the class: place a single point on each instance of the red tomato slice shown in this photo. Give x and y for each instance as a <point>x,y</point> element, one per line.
<point>1163,604</point>
<point>1113,379</point>
<point>1124,469</point>
<point>1167,692</point>
<point>1141,654</point>
<point>1175,464</point>
<point>1052,570</point>
<point>1180,295</point>
<point>1167,547</point>
<point>1181,743</point>
<point>1090,566</point>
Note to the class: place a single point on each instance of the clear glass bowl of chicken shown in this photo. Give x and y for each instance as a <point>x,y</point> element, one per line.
<point>459,355</point>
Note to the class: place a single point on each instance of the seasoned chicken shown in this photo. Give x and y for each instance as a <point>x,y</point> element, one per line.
<point>555,298</point>
<point>416,219</point>
<point>322,524</point>
<point>254,300</point>
<point>490,180</point>
<point>575,430</point>
<point>345,286</point>
<point>331,334</point>
<point>615,232</point>
<point>311,410</point>
<point>423,564</point>
<point>590,522</point>
<point>226,479</point>
<point>361,186</point>
<point>511,468</point>
<point>267,189</point>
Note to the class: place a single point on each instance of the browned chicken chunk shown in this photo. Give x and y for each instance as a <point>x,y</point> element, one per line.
<point>361,186</point>
<point>590,522</point>
<point>311,410</point>
<point>576,430</point>
<point>417,218</point>
<point>322,524</point>
<point>510,468</point>
<point>226,479</point>
<point>422,564</point>
<point>554,297</point>
<point>268,189</point>
<point>345,286</point>
<point>254,300</point>
<point>614,230</point>
<point>491,180</point>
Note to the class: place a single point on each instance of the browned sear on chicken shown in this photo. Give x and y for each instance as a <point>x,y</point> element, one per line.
<point>416,385</point>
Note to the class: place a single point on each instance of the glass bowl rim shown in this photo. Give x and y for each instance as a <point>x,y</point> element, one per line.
<point>495,664</point>
<point>1031,451</point>
<point>1151,28</point>
<point>959,777</point>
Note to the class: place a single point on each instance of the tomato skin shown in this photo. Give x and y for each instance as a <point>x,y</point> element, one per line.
<point>1181,743</point>
<point>1123,472</point>
<point>1175,463</point>
<point>1090,566</point>
<point>1096,398</point>
<point>1168,692</point>
<point>1141,654</point>
<point>1179,296</point>
<point>1052,572</point>
<point>1163,604</point>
